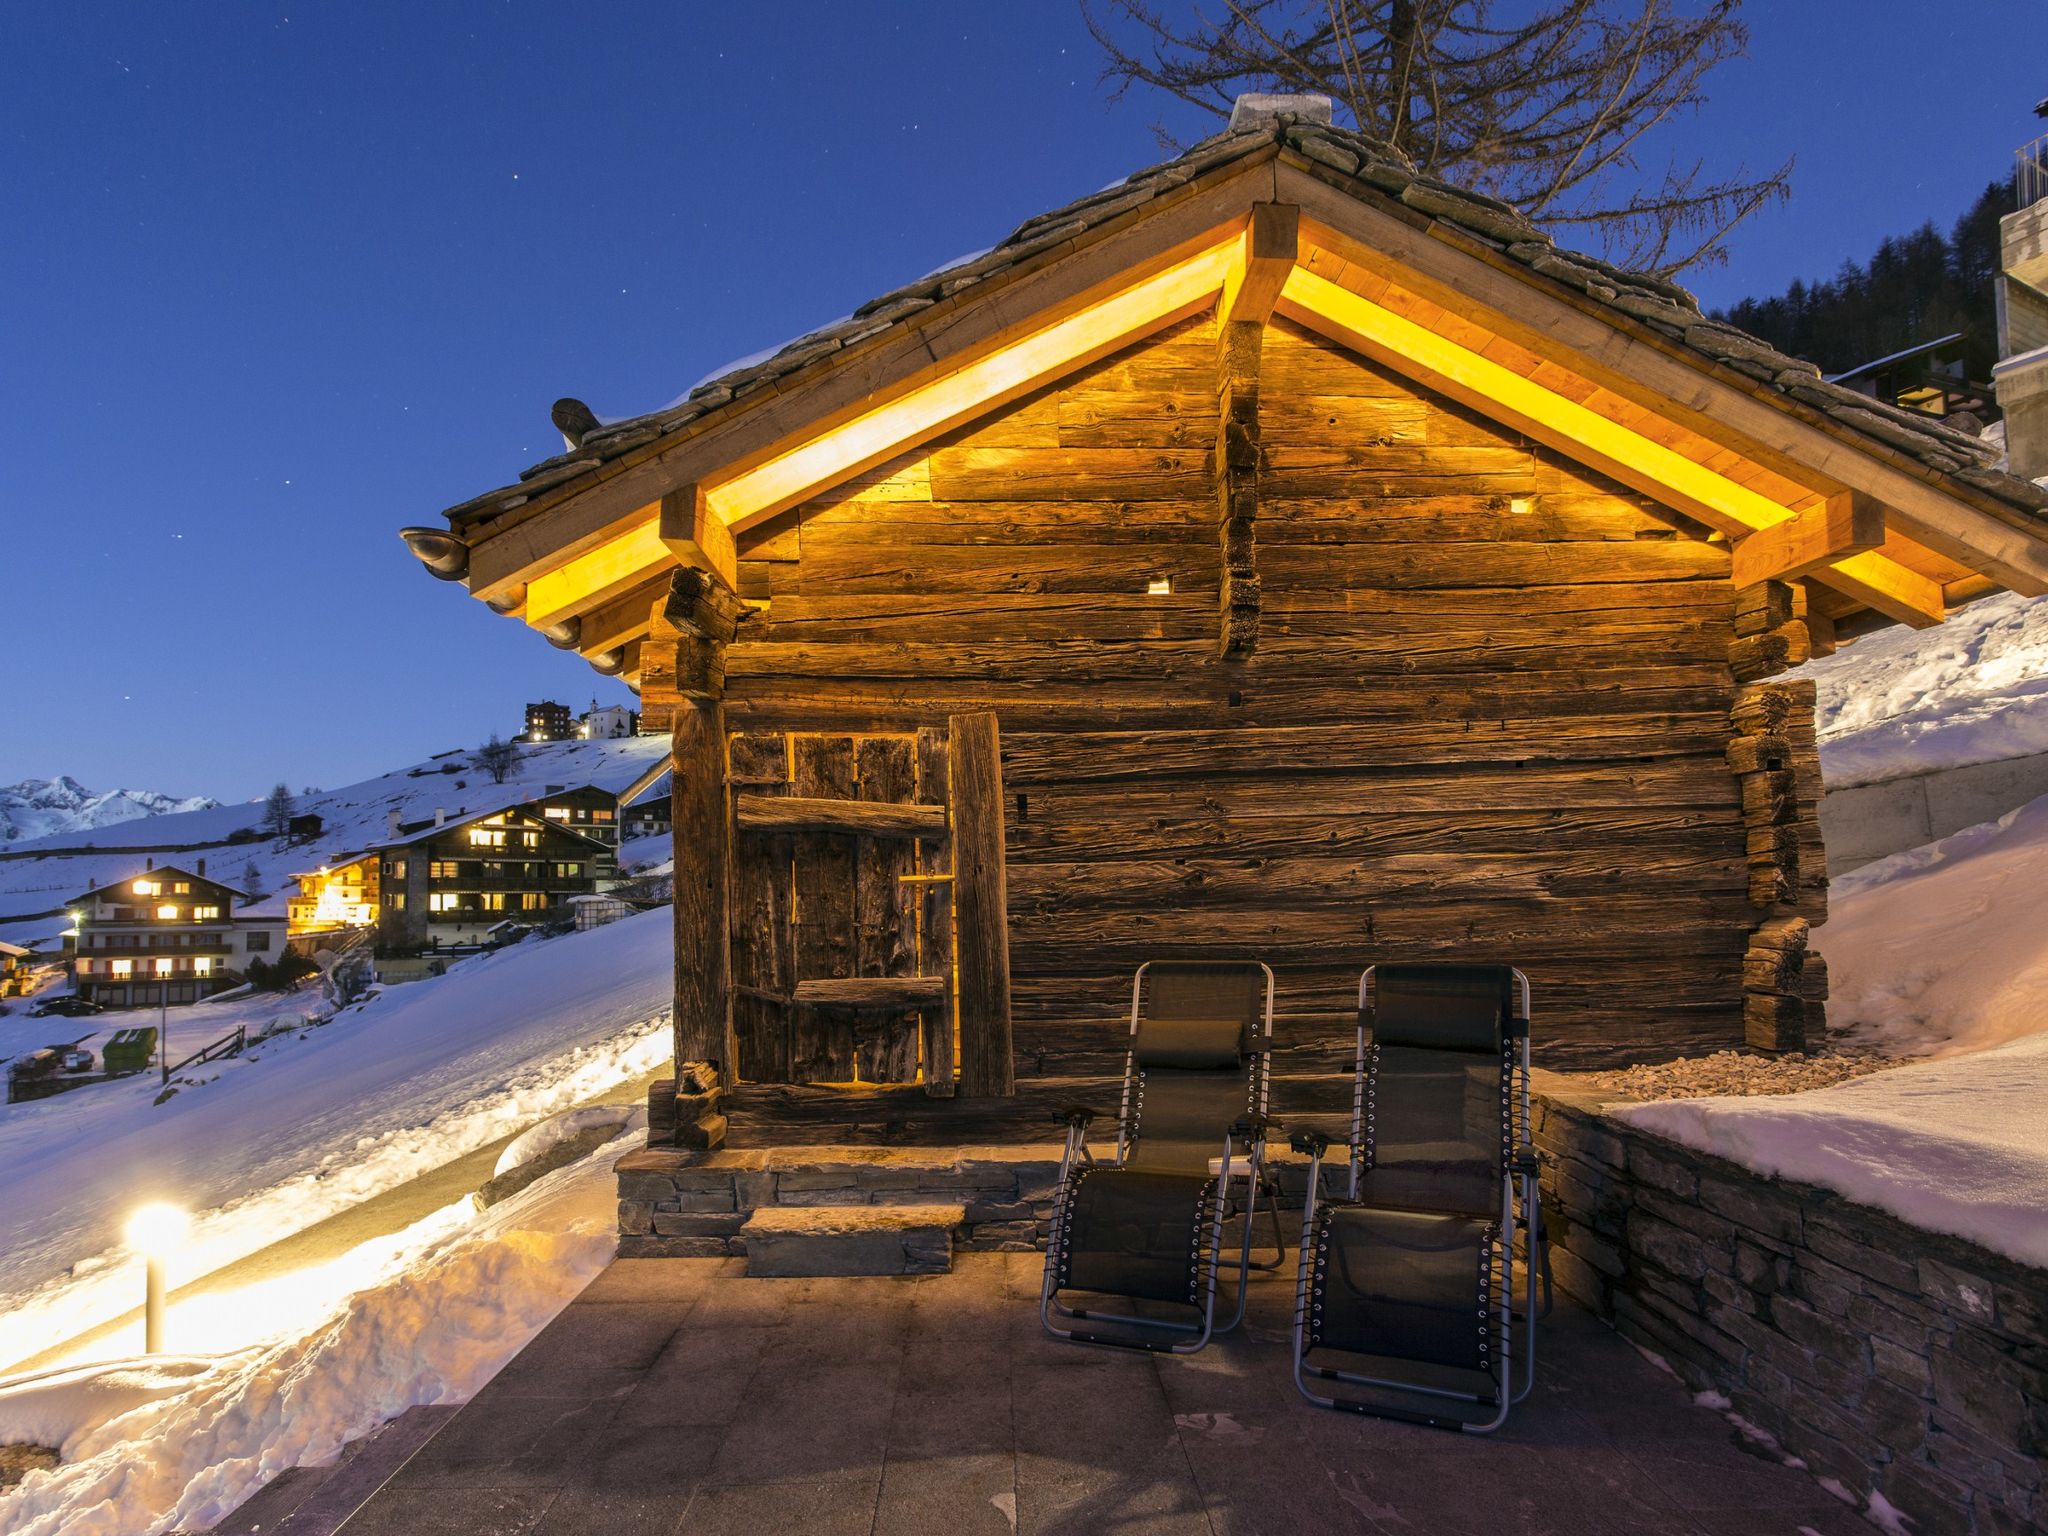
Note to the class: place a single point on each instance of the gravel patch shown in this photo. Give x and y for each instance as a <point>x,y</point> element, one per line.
<point>1735,1074</point>
<point>17,1461</point>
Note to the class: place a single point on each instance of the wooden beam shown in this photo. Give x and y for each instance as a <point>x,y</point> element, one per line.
<point>1270,246</point>
<point>703,852</point>
<point>1662,375</point>
<point>1846,524</point>
<point>611,570</point>
<point>695,537</point>
<point>623,619</point>
<point>981,906</point>
<point>1889,587</point>
<point>893,993</point>
<point>861,818</point>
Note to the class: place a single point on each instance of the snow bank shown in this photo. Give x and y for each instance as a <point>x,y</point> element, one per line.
<point>531,1146</point>
<point>1941,951</point>
<point>1905,701</point>
<point>1957,1146</point>
<point>1944,949</point>
<point>309,1124</point>
<point>158,1446</point>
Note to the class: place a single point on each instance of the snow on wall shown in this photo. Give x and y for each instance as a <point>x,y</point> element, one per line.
<point>1905,701</point>
<point>308,1125</point>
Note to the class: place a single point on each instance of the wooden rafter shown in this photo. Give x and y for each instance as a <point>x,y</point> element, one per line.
<point>1845,524</point>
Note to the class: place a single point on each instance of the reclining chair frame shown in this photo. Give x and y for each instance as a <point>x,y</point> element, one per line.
<point>1248,1133</point>
<point>1518,1178</point>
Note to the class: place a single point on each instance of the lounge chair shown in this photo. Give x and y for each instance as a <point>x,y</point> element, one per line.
<point>1144,1230</point>
<point>1405,1302</point>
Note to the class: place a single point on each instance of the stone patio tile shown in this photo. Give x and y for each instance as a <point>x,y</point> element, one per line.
<point>827,1423</point>
<point>645,1459</point>
<point>450,1512</point>
<point>809,1507</point>
<point>616,1336</point>
<point>1089,1492</point>
<point>522,1442</point>
<point>581,1512</point>
<point>670,1280</point>
<point>950,1495</point>
<point>1832,1519</point>
<point>942,1424</point>
<point>698,1380</point>
<point>950,1366</point>
<point>1724,1475</point>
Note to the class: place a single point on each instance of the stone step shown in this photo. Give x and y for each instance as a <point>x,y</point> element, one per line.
<point>794,1240</point>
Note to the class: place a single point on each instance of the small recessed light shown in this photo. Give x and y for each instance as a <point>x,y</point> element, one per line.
<point>1159,586</point>
<point>1522,506</point>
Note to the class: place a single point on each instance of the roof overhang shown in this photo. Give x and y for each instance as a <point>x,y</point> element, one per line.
<point>1796,492</point>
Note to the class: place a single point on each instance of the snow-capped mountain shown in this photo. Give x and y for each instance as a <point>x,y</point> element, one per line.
<point>47,807</point>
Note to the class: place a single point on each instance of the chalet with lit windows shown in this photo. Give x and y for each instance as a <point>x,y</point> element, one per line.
<point>451,882</point>
<point>1279,554</point>
<point>167,935</point>
<point>16,964</point>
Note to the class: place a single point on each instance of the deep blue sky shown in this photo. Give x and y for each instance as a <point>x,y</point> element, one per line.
<point>278,279</point>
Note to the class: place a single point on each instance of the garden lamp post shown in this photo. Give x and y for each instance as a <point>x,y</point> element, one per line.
<point>156,1230</point>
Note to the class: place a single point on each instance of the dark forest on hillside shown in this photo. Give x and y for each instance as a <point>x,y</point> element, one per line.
<point>1915,288</point>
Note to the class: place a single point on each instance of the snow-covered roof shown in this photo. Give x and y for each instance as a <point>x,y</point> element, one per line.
<point>157,869</point>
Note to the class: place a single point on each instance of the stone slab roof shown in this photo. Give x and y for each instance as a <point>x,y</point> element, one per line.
<point>1371,165</point>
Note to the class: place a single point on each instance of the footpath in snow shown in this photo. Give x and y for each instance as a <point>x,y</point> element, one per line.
<point>310,1123</point>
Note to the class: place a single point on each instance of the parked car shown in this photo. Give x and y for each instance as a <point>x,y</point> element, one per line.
<point>65,1007</point>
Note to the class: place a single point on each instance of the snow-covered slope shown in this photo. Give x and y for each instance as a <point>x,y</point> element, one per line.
<point>38,877</point>
<point>1904,701</point>
<point>37,808</point>
<point>310,1124</point>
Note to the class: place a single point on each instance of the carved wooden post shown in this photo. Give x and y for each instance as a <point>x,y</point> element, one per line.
<point>690,631</point>
<point>981,907</point>
<point>1271,244</point>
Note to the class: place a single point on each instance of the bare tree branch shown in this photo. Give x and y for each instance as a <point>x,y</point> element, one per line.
<point>1549,110</point>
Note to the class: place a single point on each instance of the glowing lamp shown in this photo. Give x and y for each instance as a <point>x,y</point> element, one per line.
<point>1159,586</point>
<point>156,1230</point>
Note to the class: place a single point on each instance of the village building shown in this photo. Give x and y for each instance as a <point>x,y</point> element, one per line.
<point>609,722</point>
<point>166,935</point>
<point>548,721</point>
<point>1277,555</point>
<point>2021,375</point>
<point>16,966</point>
<point>459,881</point>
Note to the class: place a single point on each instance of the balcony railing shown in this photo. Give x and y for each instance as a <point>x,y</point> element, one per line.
<point>2030,172</point>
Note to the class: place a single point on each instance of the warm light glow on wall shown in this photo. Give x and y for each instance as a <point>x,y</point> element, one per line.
<point>338,902</point>
<point>971,389</point>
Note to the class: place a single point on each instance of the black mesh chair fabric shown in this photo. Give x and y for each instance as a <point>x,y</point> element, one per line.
<point>1403,1284</point>
<point>1445,1007</point>
<point>1135,1233</point>
<point>1437,1129</point>
<point>1137,1229</point>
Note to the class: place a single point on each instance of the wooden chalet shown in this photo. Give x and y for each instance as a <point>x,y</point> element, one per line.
<point>1277,554</point>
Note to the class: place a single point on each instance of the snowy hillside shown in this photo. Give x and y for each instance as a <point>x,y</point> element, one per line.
<point>38,877</point>
<point>313,1122</point>
<point>1904,701</point>
<point>37,808</point>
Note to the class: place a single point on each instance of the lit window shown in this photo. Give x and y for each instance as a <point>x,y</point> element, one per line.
<point>568,871</point>
<point>601,816</point>
<point>531,839</point>
<point>202,965</point>
<point>181,888</point>
<point>85,967</point>
<point>123,967</point>
<point>532,901</point>
<point>167,913</point>
<point>148,887</point>
<point>494,901</point>
<point>395,869</point>
<point>483,837</point>
<point>443,901</point>
<point>204,914</point>
<point>556,813</point>
<point>163,965</point>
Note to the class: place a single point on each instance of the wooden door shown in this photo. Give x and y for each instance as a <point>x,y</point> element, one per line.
<point>841,910</point>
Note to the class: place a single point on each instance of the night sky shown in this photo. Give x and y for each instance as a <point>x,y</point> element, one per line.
<point>277,280</point>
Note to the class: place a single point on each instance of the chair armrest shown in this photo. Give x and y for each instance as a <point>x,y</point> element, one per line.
<point>1529,1163</point>
<point>1310,1143</point>
<point>1073,1116</point>
<point>1253,1127</point>
<point>1518,1029</point>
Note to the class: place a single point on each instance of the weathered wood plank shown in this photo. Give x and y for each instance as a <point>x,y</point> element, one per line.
<point>885,943</point>
<point>981,910</point>
<point>762,956</point>
<point>703,973</point>
<point>800,813</point>
<point>890,994</point>
<point>821,1039</point>
<point>935,922</point>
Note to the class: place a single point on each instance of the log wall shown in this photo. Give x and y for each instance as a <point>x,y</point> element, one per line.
<point>1485,716</point>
